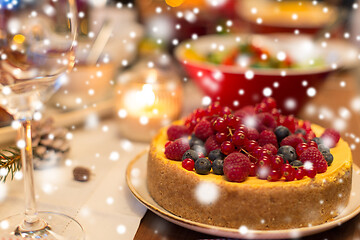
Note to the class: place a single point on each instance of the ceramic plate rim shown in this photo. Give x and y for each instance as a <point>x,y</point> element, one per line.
<point>232,232</point>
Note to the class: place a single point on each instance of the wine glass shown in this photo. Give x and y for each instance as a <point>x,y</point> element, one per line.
<point>37,40</point>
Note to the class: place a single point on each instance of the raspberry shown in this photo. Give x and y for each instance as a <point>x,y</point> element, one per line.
<point>236,167</point>
<point>330,137</point>
<point>252,134</point>
<point>321,166</point>
<point>211,144</point>
<point>314,156</point>
<point>267,136</point>
<point>203,130</point>
<point>290,122</point>
<point>269,102</point>
<point>175,150</point>
<point>292,140</point>
<point>271,148</point>
<point>265,121</point>
<point>177,131</point>
<point>245,112</point>
<point>261,107</point>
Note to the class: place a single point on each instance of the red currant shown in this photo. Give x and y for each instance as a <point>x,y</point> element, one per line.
<point>261,107</point>
<point>252,170</point>
<point>288,172</point>
<point>239,138</point>
<point>311,173</point>
<point>220,125</point>
<point>221,137</point>
<point>225,111</point>
<point>277,162</point>
<point>312,144</point>
<point>242,127</point>
<point>269,102</point>
<point>188,164</point>
<point>233,121</point>
<point>275,112</point>
<point>227,147</point>
<point>300,173</point>
<point>274,175</point>
<point>214,108</point>
<point>264,161</point>
<point>250,145</point>
<point>300,148</point>
<point>257,152</point>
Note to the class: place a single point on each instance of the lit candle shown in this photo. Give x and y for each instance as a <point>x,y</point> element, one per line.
<point>146,102</point>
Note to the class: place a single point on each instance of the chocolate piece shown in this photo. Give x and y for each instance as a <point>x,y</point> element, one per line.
<point>81,174</point>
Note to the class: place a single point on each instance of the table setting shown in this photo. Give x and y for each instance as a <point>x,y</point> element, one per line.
<point>177,119</point>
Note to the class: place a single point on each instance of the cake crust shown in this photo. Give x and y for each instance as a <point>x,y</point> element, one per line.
<point>256,204</point>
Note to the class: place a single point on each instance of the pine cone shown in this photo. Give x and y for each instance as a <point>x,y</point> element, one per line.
<point>49,143</point>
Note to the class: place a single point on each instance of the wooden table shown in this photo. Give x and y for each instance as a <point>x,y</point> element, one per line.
<point>332,101</point>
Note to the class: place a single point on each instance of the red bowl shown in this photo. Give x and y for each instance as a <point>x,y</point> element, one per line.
<point>236,86</point>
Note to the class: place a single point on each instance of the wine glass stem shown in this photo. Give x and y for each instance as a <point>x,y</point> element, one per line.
<point>31,215</point>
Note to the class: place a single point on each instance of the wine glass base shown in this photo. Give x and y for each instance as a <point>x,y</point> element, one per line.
<point>54,226</point>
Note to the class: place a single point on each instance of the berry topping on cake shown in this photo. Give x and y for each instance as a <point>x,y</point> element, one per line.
<point>292,140</point>
<point>190,154</point>
<point>288,153</point>
<point>175,150</point>
<point>267,137</point>
<point>218,166</point>
<point>203,130</point>
<point>281,132</point>
<point>211,144</point>
<point>177,131</point>
<point>216,154</point>
<point>188,164</point>
<point>271,148</point>
<point>314,156</point>
<point>256,141</point>
<point>330,137</point>
<point>203,166</point>
<point>236,167</point>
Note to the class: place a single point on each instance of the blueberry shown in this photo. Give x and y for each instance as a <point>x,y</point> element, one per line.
<point>190,154</point>
<point>296,163</point>
<point>195,141</point>
<point>216,154</point>
<point>203,166</point>
<point>328,157</point>
<point>317,140</point>
<point>300,130</point>
<point>217,167</point>
<point>288,153</point>
<point>323,149</point>
<point>281,132</point>
<point>199,149</point>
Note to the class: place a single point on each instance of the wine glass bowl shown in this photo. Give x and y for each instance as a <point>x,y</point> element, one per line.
<point>37,41</point>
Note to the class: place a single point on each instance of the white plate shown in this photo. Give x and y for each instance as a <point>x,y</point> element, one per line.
<point>136,180</point>
<point>64,118</point>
